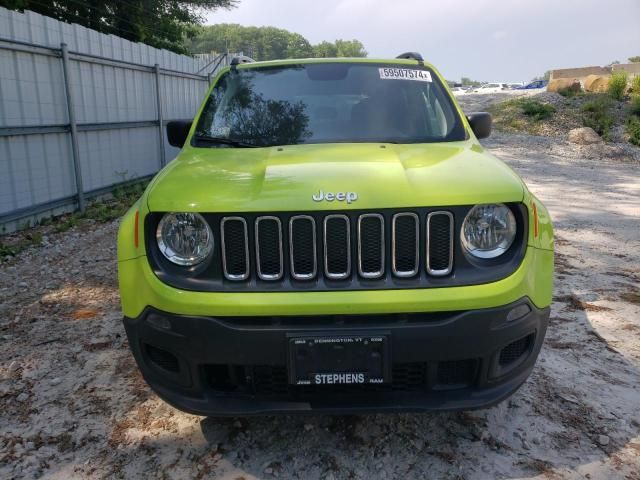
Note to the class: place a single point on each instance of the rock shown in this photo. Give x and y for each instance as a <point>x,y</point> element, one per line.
<point>55,381</point>
<point>603,440</point>
<point>268,470</point>
<point>584,136</point>
<point>307,427</point>
<point>485,436</point>
<point>23,285</point>
<point>23,397</point>
<point>237,424</point>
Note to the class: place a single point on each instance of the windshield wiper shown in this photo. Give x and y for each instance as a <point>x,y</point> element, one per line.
<point>222,141</point>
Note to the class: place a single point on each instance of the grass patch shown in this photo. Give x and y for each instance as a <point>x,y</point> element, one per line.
<point>568,92</point>
<point>100,211</point>
<point>634,104</point>
<point>521,115</point>
<point>633,129</point>
<point>597,115</point>
<point>635,85</point>
<point>537,110</point>
<point>29,240</point>
<point>617,84</point>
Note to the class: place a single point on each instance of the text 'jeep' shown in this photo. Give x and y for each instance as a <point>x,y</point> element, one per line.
<point>333,237</point>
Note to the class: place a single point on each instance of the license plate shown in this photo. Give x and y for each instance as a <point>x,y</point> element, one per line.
<point>352,359</point>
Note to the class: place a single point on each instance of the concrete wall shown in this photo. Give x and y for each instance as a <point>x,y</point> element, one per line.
<point>633,69</point>
<point>580,73</point>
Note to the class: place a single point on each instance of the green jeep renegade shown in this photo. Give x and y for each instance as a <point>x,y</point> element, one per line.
<point>332,237</point>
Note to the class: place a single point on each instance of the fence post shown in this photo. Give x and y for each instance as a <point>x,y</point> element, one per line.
<point>75,153</point>
<point>163,159</point>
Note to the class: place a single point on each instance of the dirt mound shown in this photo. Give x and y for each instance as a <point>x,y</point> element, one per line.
<point>564,85</point>
<point>596,83</point>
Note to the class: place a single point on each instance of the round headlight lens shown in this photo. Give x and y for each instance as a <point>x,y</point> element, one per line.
<point>488,230</point>
<point>184,238</point>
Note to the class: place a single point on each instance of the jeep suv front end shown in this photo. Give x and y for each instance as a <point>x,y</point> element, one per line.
<point>332,237</point>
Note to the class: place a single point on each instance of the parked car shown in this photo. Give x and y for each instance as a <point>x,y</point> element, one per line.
<point>491,88</point>
<point>515,86</point>
<point>333,237</point>
<point>533,85</point>
<point>458,90</point>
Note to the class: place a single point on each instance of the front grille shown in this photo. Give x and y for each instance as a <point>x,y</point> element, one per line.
<point>337,246</point>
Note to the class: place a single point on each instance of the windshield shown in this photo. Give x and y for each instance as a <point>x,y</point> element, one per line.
<point>327,103</point>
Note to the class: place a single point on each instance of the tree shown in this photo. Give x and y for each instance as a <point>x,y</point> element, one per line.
<point>635,59</point>
<point>467,82</point>
<point>159,23</point>
<point>350,48</point>
<point>267,43</point>
<point>545,76</point>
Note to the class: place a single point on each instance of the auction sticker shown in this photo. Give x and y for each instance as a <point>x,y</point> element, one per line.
<point>387,73</point>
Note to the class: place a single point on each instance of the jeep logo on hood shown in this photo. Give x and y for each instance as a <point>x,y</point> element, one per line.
<point>339,196</point>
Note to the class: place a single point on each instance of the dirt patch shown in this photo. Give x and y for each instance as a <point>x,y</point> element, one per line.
<point>73,404</point>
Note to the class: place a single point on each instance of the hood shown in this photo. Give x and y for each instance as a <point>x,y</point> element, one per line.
<point>287,178</point>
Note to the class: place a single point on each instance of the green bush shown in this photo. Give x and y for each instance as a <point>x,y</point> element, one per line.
<point>537,110</point>
<point>634,105</point>
<point>617,84</point>
<point>568,92</point>
<point>596,115</point>
<point>633,129</point>
<point>635,85</point>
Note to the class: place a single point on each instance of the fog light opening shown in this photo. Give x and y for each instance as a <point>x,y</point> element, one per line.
<point>160,323</point>
<point>518,312</point>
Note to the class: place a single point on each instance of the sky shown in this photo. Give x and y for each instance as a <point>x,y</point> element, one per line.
<point>489,40</point>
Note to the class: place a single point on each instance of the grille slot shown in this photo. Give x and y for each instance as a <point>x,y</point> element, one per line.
<point>439,243</point>
<point>337,247</point>
<point>371,245</point>
<point>269,248</point>
<point>235,248</point>
<point>405,237</point>
<point>302,247</point>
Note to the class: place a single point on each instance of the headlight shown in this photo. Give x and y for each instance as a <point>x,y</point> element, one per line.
<point>488,230</point>
<point>184,238</point>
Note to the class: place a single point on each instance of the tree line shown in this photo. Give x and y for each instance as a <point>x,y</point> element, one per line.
<point>176,25</point>
<point>159,23</point>
<point>267,43</point>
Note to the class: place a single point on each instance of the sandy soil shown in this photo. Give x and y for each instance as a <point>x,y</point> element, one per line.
<point>72,404</point>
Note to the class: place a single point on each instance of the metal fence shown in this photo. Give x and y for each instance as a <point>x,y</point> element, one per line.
<point>82,112</point>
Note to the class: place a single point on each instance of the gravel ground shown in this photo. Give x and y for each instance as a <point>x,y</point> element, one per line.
<point>72,404</point>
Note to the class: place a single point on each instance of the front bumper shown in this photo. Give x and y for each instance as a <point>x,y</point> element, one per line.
<point>237,365</point>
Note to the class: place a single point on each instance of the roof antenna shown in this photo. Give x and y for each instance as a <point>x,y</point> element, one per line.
<point>412,56</point>
<point>235,61</point>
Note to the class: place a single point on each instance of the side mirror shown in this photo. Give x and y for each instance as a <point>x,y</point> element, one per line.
<point>480,123</point>
<point>178,131</point>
